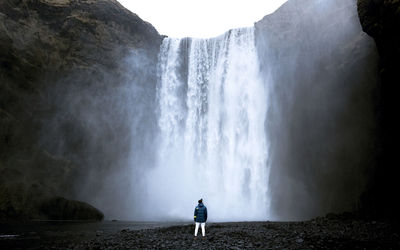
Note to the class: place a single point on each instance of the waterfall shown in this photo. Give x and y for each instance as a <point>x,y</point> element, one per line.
<point>212,137</point>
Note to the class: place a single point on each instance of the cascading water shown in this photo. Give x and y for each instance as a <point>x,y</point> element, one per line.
<point>213,144</point>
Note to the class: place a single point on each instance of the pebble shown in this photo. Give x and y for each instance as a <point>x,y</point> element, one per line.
<point>326,234</point>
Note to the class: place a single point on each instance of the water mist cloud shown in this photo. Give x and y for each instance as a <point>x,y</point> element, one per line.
<point>105,124</point>
<point>212,140</point>
<point>322,106</point>
<point>276,124</point>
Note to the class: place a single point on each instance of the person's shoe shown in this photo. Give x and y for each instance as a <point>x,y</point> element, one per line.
<point>195,237</point>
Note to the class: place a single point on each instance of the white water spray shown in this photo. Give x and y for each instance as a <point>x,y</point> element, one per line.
<point>213,144</point>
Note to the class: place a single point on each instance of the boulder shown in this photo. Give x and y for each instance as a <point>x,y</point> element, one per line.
<point>59,208</point>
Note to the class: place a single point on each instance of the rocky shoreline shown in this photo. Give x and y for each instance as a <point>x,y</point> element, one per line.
<point>331,232</point>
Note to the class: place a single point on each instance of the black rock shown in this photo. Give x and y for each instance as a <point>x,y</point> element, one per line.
<point>59,208</point>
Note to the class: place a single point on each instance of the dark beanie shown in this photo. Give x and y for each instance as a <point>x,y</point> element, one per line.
<point>201,201</point>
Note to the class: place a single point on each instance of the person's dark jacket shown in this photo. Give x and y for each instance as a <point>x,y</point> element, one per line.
<point>200,213</point>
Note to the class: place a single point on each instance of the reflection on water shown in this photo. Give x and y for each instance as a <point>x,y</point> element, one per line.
<point>62,233</point>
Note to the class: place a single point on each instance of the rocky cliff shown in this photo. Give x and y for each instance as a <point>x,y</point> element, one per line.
<point>322,126</point>
<point>63,76</point>
<point>381,20</point>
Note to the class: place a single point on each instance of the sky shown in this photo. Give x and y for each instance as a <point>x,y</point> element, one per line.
<point>200,18</point>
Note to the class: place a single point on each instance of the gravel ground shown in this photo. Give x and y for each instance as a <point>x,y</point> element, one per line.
<point>320,233</point>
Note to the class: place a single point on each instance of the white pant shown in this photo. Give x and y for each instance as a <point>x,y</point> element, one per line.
<point>203,228</point>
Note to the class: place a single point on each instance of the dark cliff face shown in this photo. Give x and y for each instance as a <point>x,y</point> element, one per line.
<point>322,127</point>
<point>70,81</point>
<point>381,20</point>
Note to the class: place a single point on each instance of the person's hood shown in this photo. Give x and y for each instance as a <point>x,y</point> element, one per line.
<point>201,205</point>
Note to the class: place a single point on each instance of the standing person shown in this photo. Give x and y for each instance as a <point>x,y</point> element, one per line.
<point>200,217</point>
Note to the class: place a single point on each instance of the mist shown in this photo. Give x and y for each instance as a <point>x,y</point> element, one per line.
<point>105,124</point>
<point>212,142</point>
<point>321,126</point>
<point>271,122</point>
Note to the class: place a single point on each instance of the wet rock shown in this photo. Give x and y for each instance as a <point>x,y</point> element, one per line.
<point>48,50</point>
<point>350,62</point>
<point>381,20</point>
<point>59,208</point>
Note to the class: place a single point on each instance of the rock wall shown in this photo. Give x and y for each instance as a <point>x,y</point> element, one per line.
<point>322,127</point>
<point>68,71</point>
<point>381,20</point>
